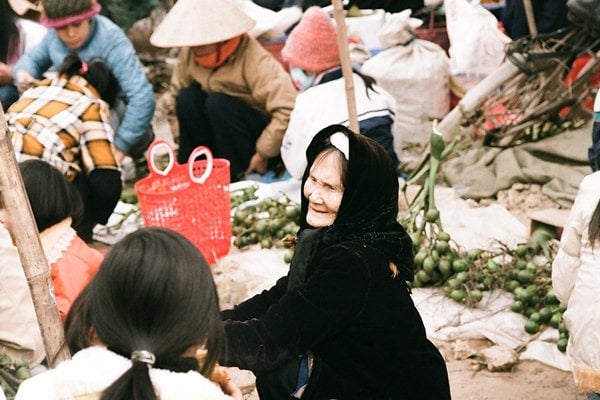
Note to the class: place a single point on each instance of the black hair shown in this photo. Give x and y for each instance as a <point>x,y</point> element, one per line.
<point>154,291</point>
<point>594,227</point>
<point>369,81</point>
<point>51,196</point>
<point>96,72</point>
<point>10,37</point>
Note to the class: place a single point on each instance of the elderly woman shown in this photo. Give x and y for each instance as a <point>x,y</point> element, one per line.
<point>342,323</point>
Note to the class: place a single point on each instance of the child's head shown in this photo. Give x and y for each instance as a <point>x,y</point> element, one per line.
<point>154,292</point>
<point>51,196</point>
<point>96,72</point>
<point>71,19</point>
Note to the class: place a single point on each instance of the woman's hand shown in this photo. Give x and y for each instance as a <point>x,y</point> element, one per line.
<point>24,80</point>
<point>231,389</point>
<point>119,155</point>
<point>258,164</point>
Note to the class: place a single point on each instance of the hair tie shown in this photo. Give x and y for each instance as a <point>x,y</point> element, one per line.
<point>143,356</point>
<point>84,68</point>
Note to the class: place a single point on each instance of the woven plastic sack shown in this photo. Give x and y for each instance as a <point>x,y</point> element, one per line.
<point>192,199</point>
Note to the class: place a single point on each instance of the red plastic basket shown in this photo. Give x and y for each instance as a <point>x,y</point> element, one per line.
<point>192,199</point>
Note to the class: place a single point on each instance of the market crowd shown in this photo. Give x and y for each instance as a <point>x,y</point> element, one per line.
<point>142,320</point>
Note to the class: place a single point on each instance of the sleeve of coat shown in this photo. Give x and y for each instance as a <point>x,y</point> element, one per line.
<point>136,89</point>
<point>272,87</point>
<point>37,60</point>
<point>567,261</point>
<point>258,305</point>
<point>181,78</point>
<point>303,317</point>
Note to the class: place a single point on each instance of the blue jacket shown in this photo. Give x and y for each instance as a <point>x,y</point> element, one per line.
<point>108,42</point>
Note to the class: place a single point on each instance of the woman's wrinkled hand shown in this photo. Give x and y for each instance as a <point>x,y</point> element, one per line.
<point>257,164</point>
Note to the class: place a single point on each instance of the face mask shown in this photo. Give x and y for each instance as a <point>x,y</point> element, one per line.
<point>220,55</point>
<point>301,80</point>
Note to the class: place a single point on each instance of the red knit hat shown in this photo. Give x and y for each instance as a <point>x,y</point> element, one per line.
<point>312,45</point>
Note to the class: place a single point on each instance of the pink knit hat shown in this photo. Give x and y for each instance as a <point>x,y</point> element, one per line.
<point>312,45</point>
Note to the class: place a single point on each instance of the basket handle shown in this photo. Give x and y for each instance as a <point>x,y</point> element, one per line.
<point>155,145</point>
<point>198,151</point>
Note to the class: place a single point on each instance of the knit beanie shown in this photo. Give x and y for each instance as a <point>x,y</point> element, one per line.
<point>57,13</point>
<point>312,44</point>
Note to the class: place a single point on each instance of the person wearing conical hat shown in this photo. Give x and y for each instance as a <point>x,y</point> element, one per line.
<point>76,26</point>
<point>231,94</point>
<point>312,52</point>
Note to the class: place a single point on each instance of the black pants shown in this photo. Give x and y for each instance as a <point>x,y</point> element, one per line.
<point>594,150</point>
<point>8,95</point>
<point>550,15</point>
<point>226,125</point>
<point>100,192</point>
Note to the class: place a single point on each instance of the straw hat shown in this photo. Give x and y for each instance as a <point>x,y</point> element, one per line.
<point>198,22</point>
<point>22,6</point>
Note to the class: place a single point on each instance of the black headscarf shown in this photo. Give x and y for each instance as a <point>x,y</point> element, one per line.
<point>368,211</point>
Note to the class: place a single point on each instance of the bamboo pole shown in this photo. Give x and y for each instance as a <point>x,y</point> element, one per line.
<point>25,235</point>
<point>342,36</point>
<point>530,17</point>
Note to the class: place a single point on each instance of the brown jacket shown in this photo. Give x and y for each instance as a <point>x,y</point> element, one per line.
<point>252,75</point>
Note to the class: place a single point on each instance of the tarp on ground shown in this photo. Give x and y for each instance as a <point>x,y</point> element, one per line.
<point>557,163</point>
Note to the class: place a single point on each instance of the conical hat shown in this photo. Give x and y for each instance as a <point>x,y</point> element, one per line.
<point>198,22</point>
<point>22,6</point>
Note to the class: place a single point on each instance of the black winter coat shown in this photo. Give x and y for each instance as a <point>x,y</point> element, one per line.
<point>366,335</point>
<point>341,300</point>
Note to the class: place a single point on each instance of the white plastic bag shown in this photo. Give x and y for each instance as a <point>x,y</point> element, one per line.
<point>477,46</point>
<point>416,73</point>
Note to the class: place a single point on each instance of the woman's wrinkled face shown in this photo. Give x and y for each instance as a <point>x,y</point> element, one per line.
<point>324,189</point>
<point>74,35</point>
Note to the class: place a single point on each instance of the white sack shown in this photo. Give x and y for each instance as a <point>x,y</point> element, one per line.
<point>477,46</point>
<point>416,74</point>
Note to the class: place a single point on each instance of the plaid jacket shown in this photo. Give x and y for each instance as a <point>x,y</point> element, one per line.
<point>64,122</point>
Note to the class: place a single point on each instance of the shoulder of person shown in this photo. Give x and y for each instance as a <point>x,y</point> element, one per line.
<point>591,182</point>
<point>32,28</point>
<point>344,251</point>
<point>109,31</point>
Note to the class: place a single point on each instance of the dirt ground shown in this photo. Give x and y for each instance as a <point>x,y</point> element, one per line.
<point>469,379</point>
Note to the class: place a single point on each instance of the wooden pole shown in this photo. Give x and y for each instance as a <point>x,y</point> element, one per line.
<point>530,17</point>
<point>25,235</point>
<point>342,36</point>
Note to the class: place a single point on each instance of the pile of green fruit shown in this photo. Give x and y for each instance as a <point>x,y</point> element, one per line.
<point>268,223</point>
<point>12,373</point>
<point>464,275</point>
<point>530,282</point>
